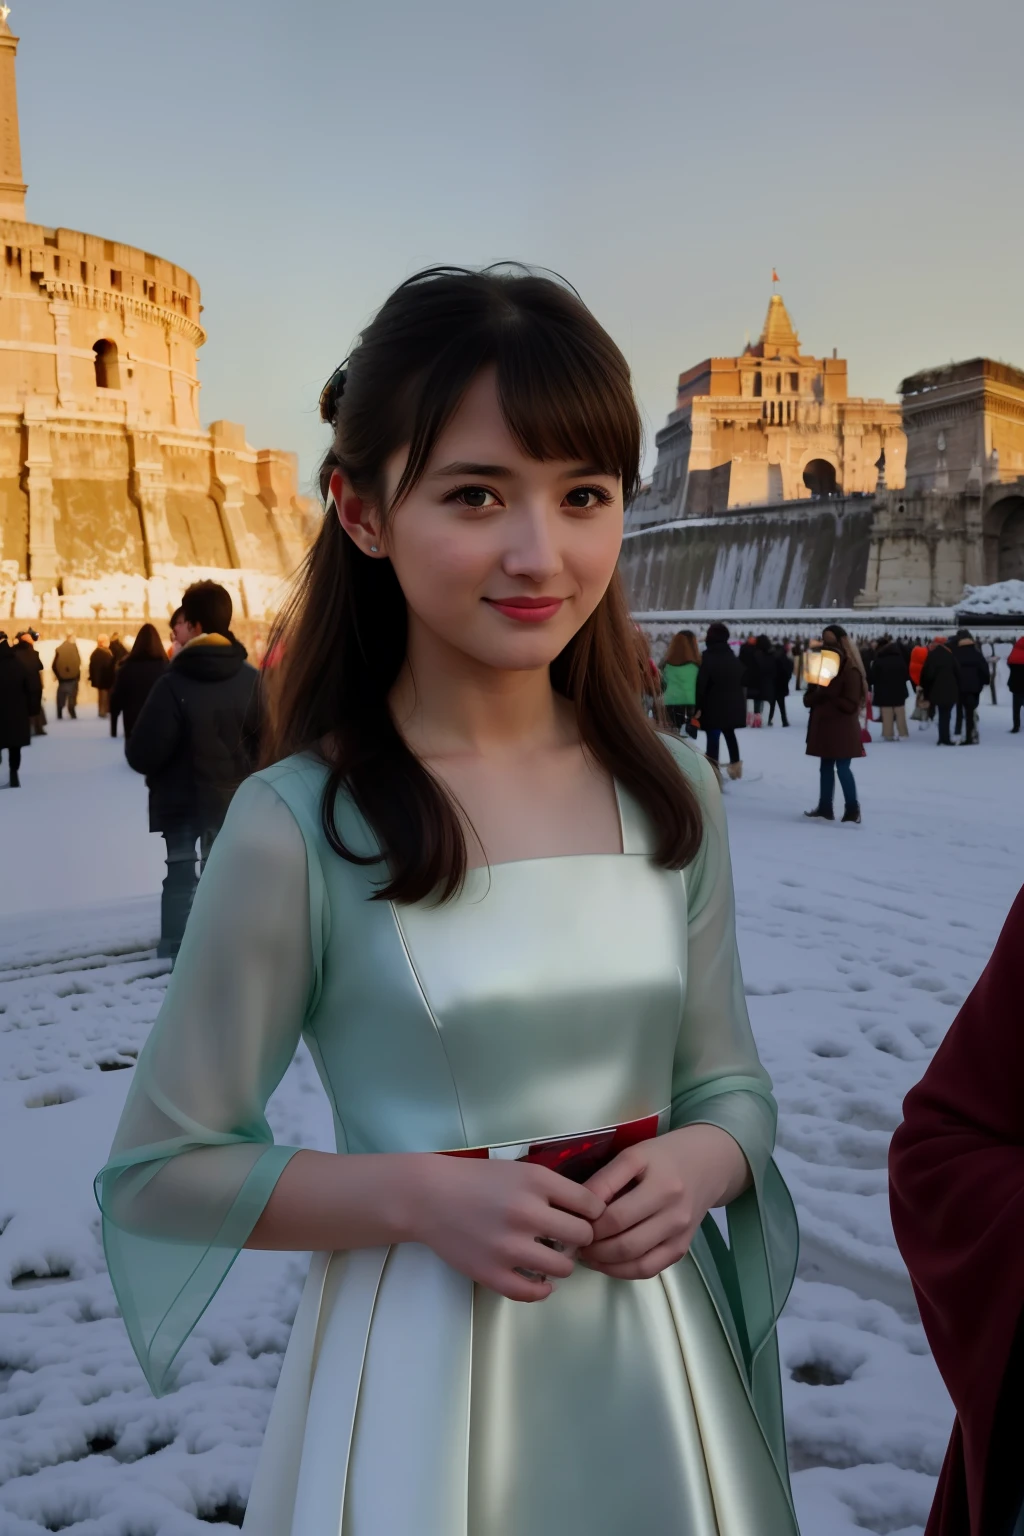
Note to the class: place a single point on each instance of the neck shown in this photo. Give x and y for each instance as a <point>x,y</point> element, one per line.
<point>446,703</point>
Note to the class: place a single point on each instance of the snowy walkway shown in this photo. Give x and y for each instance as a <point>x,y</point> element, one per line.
<point>858,945</point>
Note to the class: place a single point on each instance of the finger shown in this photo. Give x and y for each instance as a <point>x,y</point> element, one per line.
<point>607,1182</point>
<point>517,1287</point>
<point>559,1227</point>
<point>566,1195</point>
<point>629,1210</point>
<point>529,1253</point>
<point>552,1261</point>
<point>647,1265</point>
<point>662,1227</point>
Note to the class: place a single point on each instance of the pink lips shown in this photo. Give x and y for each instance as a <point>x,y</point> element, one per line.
<point>526,610</point>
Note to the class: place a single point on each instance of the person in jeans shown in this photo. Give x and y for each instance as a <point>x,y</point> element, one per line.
<point>940,684</point>
<point>67,669</point>
<point>833,729</point>
<point>196,739</point>
<point>721,697</point>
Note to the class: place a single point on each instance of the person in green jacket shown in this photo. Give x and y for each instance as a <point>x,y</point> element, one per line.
<point>679,677</point>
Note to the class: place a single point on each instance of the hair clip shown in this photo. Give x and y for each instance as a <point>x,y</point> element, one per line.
<point>332,393</point>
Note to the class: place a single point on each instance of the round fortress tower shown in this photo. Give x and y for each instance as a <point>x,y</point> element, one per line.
<point>112,496</point>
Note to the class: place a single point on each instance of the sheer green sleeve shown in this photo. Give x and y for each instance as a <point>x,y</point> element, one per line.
<point>194,1162</point>
<point>719,1080</point>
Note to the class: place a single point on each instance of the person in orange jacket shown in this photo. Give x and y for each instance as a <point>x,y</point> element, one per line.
<point>918,657</point>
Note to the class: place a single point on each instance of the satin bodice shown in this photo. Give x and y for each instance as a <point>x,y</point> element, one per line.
<point>545,1000</point>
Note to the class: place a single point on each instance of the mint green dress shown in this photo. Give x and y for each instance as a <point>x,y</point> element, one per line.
<point>553,996</point>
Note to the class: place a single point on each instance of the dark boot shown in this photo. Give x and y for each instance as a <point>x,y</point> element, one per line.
<point>852,813</point>
<point>15,781</point>
<point>821,813</point>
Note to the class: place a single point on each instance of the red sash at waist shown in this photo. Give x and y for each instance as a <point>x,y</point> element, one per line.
<point>575,1157</point>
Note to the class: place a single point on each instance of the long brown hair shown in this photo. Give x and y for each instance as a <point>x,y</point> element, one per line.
<point>683,648</point>
<point>565,392</point>
<point>148,645</point>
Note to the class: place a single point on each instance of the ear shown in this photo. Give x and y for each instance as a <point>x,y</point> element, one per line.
<point>360,519</point>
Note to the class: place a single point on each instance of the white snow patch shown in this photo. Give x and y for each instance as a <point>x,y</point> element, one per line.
<point>1001,597</point>
<point>858,945</point>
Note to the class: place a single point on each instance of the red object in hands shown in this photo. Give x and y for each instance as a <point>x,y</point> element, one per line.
<point>575,1157</point>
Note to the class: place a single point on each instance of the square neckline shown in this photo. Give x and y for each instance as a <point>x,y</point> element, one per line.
<point>624,852</point>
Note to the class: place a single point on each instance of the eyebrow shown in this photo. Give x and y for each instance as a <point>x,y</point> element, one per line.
<point>501,471</point>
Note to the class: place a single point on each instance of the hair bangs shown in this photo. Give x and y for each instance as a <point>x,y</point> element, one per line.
<point>564,388</point>
<point>562,399</point>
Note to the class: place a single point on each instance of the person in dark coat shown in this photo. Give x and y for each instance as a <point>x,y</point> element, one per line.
<point>67,669</point>
<point>1015,662</point>
<point>17,700</point>
<point>135,677</point>
<point>196,738</point>
<point>26,652</point>
<point>890,685</point>
<point>721,697</point>
<point>101,673</point>
<point>956,1185</point>
<point>940,684</point>
<point>975,676</point>
<point>118,650</point>
<point>833,726</point>
<point>763,670</point>
<point>783,673</point>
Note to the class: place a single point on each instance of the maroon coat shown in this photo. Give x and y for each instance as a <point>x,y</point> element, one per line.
<point>957,1195</point>
<point>834,727</point>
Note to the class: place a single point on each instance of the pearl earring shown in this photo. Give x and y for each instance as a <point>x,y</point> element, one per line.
<point>373,549</point>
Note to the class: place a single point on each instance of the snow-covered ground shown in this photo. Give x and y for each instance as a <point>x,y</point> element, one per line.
<point>858,945</point>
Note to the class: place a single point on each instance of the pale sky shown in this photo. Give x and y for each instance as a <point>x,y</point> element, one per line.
<point>302,158</point>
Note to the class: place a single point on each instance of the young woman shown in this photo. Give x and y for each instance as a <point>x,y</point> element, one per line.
<point>135,677</point>
<point>497,904</point>
<point>833,728</point>
<point>679,672</point>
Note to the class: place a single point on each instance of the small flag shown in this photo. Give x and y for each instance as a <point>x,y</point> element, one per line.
<point>775,275</point>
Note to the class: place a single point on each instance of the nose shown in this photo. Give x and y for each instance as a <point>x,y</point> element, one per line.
<point>532,551</point>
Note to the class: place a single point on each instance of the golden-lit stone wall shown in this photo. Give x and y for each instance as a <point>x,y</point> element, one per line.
<point>110,488</point>
<point>768,426</point>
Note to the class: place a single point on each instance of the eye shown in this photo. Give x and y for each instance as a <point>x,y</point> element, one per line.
<point>585,498</point>
<point>476,496</point>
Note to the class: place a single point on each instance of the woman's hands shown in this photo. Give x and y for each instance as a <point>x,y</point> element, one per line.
<point>679,1178</point>
<point>484,1218</point>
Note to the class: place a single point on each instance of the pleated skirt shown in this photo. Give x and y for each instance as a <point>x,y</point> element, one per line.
<point>413,1403</point>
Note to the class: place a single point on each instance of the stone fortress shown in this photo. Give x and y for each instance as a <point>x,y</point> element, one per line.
<point>774,489</point>
<point>113,497</point>
<point>768,426</point>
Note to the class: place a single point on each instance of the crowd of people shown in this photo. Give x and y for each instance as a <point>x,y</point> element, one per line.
<point>190,719</point>
<point>728,687</point>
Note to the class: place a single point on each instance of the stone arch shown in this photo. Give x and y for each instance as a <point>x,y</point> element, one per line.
<point>821,477</point>
<point>108,371</point>
<point>1010,556</point>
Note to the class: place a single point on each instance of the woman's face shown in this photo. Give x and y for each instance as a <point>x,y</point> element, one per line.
<point>501,557</point>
